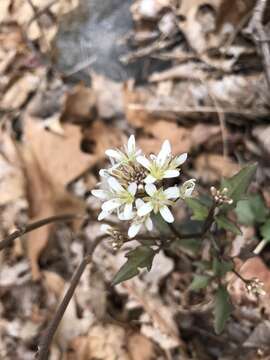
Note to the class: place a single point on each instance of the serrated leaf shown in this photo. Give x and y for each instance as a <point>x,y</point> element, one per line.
<point>252,210</point>
<point>199,282</point>
<point>238,184</point>
<point>221,267</point>
<point>141,257</point>
<point>226,224</point>
<point>265,230</point>
<point>200,211</point>
<point>222,310</point>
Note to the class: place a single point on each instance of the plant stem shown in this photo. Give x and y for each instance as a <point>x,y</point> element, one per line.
<point>46,340</point>
<point>8,241</point>
<point>206,226</point>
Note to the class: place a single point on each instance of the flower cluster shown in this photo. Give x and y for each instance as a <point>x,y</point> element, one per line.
<point>255,286</point>
<point>135,185</point>
<point>221,196</point>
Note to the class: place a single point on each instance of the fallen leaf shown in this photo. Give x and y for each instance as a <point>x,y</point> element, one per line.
<point>136,117</point>
<point>109,96</point>
<point>80,104</point>
<point>262,134</point>
<point>212,167</point>
<point>12,182</point>
<point>59,157</point>
<point>18,93</point>
<point>140,347</point>
<point>162,130</point>
<point>208,24</point>
<point>250,269</point>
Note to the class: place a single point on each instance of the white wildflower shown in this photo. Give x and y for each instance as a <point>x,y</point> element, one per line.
<point>117,198</point>
<point>187,188</point>
<point>163,165</point>
<point>138,221</point>
<point>158,201</point>
<point>128,155</point>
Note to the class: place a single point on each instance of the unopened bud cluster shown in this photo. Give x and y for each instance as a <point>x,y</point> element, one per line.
<point>221,196</point>
<point>134,186</point>
<point>118,238</point>
<point>255,287</point>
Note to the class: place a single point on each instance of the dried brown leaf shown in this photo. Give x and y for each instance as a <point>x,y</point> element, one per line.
<point>162,130</point>
<point>212,167</point>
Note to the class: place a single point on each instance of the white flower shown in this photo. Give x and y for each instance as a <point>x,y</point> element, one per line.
<point>163,165</point>
<point>138,221</point>
<point>117,198</point>
<point>187,188</point>
<point>158,201</point>
<point>129,154</point>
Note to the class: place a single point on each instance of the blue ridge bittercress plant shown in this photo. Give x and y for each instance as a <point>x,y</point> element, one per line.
<point>135,186</point>
<point>137,189</point>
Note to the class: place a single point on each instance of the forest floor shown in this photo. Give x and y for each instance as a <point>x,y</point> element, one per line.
<point>207,92</point>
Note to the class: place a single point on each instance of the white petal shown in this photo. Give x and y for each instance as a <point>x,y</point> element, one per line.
<point>114,154</point>
<point>145,209</point>
<point>149,224</point>
<point>101,194</point>
<point>171,174</point>
<point>150,189</point>
<point>166,214</point>
<point>110,205</point>
<point>164,153</point>
<point>121,216</point>
<point>103,214</point>
<point>143,161</point>
<point>103,173</point>
<point>114,184</point>
<point>139,203</point>
<point>128,213</point>
<point>131,144</point>
<point>172,192</point>
<point>150,179</point>
<point>189,192</point>
<point>134,229</point>
<point>105,228</point>
<point>132,188</point>
<point>187,188</point>
<point>181,159</point>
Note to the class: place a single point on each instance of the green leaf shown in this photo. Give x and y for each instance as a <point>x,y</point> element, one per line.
<point>238,184</point>
<point>221,267</point>
<point>226,224</point>
<point>200,211</point>
<point>222,310</point>
<point>265,230</point>
<point>199,282</point>
<point>141,257</point>
<point>252,210</point>
<point>187,245</point>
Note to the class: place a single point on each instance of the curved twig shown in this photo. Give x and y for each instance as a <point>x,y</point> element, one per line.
<point>46,340</point>
<point>8,241</point>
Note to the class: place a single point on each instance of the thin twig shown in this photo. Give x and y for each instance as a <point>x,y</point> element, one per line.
<point>206,226</point>
<point>174,230</point>
<point>39,12</point>
<point>8,241</point>
<point>46,340</point>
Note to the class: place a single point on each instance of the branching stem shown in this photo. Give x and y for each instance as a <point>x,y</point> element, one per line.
<point>8,241</point>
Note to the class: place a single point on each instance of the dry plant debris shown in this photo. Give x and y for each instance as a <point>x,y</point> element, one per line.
<point>210,99</point>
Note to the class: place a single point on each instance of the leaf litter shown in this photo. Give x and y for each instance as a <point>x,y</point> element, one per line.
<point>209,98</point>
